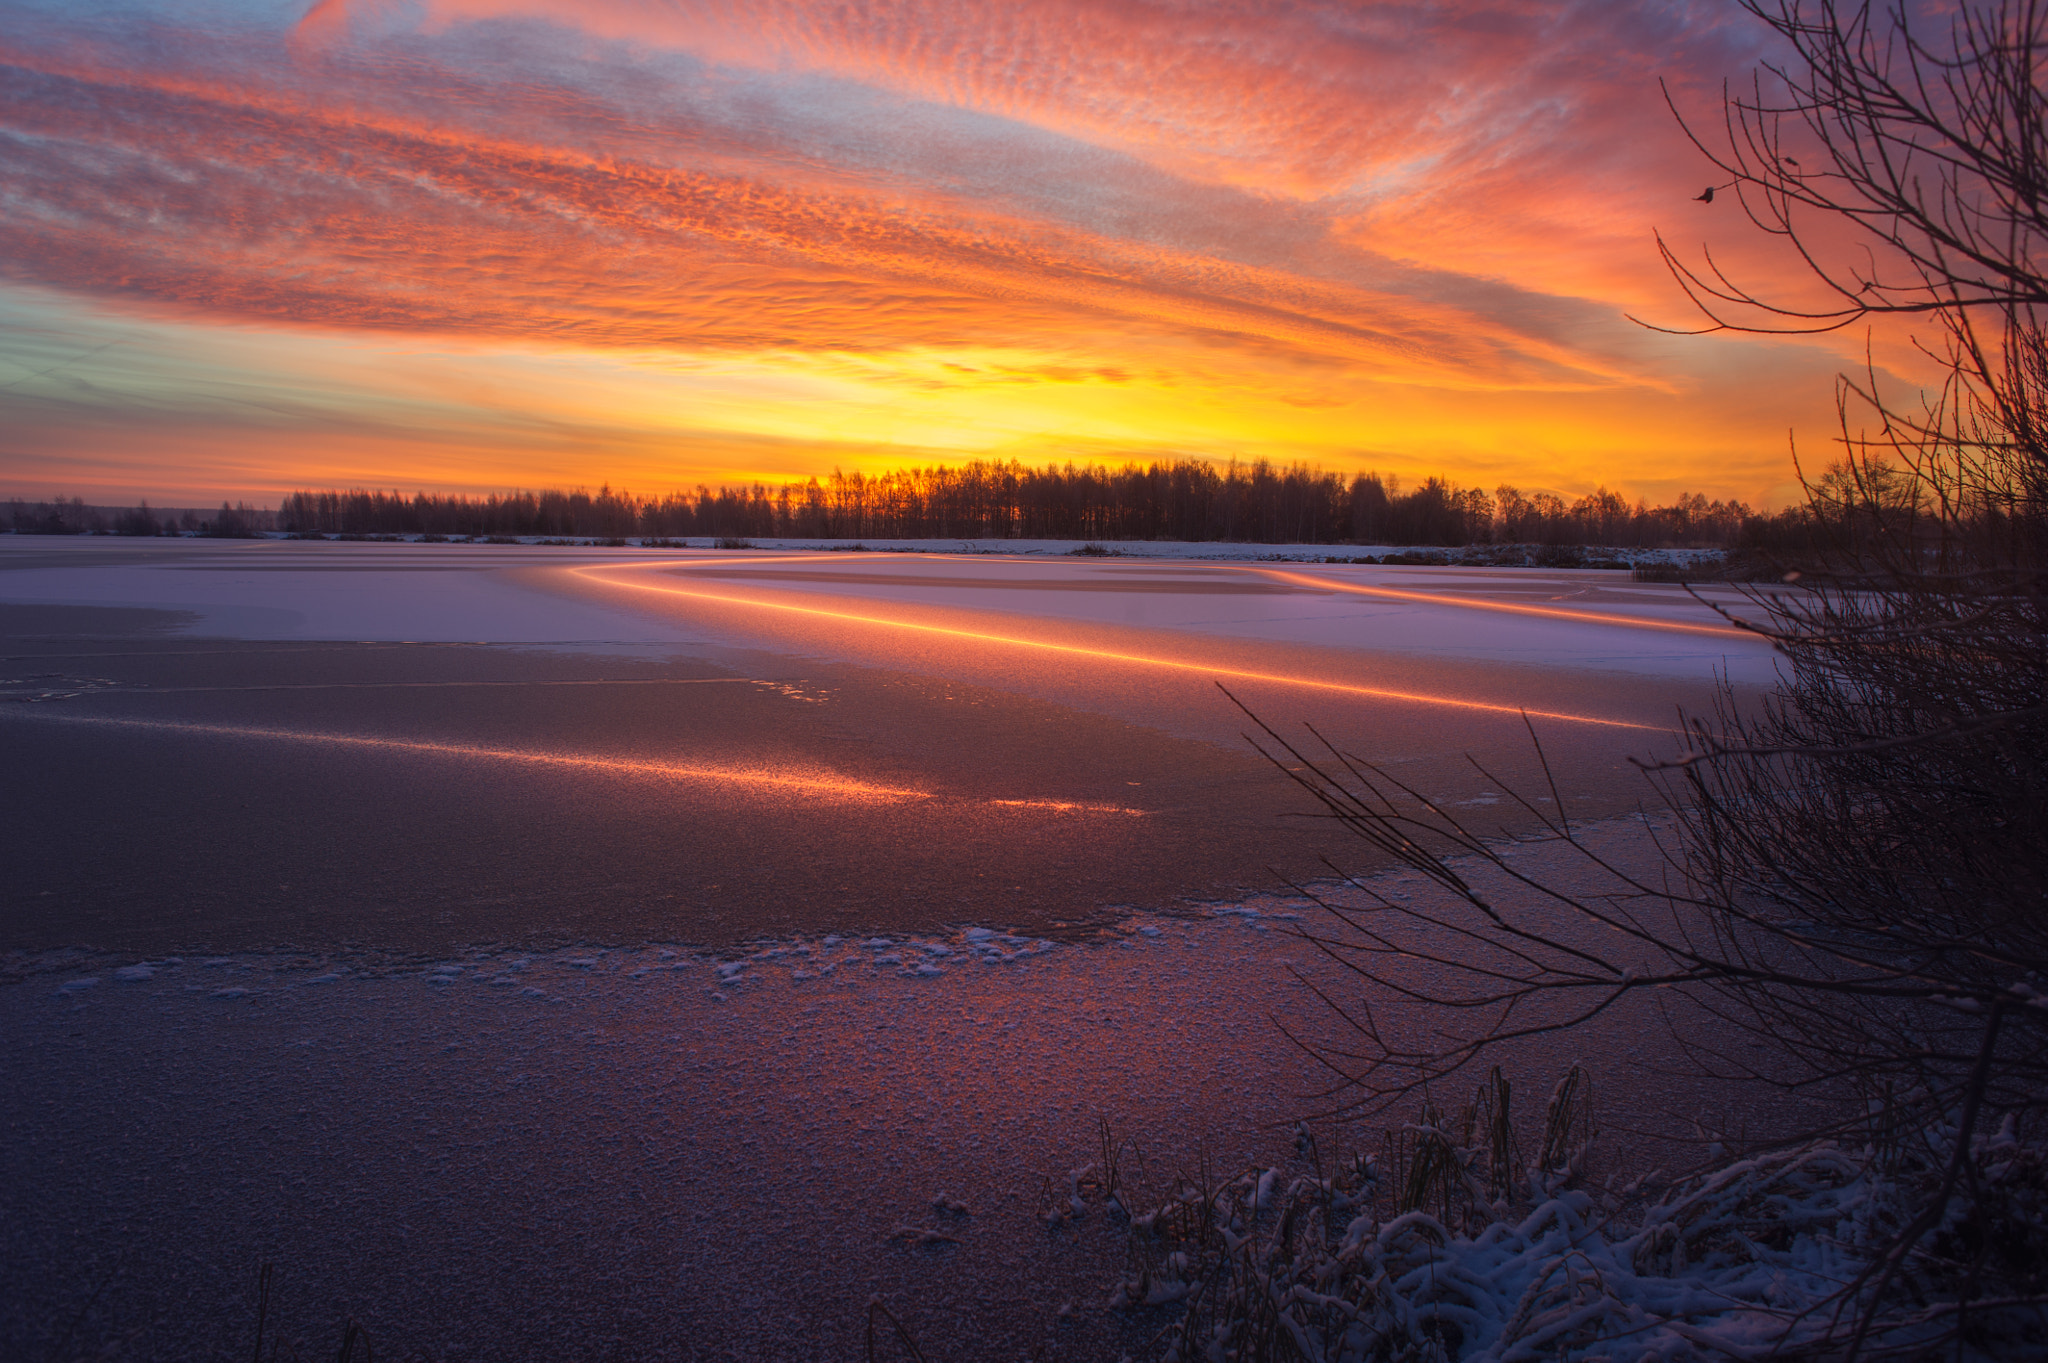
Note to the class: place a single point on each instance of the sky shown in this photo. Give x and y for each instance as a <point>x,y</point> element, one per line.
<point>248,246</point>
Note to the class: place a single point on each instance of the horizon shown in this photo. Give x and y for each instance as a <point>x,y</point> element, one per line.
<point>1395,483</point>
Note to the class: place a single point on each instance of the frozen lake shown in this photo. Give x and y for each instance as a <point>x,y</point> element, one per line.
<point>429,746</point>
<point>606,954</point>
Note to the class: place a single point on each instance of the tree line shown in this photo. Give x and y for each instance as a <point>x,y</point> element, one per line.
<point>1187,499</point>
<point>74,516</point>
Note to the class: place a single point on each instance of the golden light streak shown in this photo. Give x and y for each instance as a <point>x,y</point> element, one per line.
<point>1107,655</point>
<point>1508,607</point>
<point>1069,807</point>
<point>828,786</point>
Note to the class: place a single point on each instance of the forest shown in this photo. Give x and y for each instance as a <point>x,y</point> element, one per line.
<point>1186,499</point>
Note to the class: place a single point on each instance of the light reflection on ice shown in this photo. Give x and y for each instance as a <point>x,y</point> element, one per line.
<point>809,784</point>
<point>1007,635</point>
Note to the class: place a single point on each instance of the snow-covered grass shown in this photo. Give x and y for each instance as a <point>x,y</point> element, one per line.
<point>1421,1258</point>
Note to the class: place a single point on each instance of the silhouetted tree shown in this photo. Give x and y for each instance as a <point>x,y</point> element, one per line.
<point>137,522</point>
<point>1860,881</point>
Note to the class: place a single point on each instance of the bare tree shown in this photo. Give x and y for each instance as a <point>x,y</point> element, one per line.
<point>1858,876</point>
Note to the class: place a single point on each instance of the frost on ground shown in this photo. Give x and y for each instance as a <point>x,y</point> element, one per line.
<point>1759,1257</point>
<point>600,1151</point>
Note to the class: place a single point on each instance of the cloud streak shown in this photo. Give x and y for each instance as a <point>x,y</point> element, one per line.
<point>247,201</point>
<point>1310,201</point>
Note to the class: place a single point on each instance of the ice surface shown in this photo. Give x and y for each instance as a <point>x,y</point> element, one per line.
<point>608,1131</point>
<point>530,595</point>
<point>598,1150</point>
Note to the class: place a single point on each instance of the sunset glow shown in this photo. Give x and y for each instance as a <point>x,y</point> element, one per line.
<point>252,245</point>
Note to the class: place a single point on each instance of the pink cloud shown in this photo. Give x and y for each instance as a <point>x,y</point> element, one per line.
<point>1307,99</point>
<point>415,203</point>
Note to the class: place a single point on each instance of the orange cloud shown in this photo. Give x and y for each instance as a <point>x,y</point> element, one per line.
<point>910,228</point>
<point>312,214</point>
